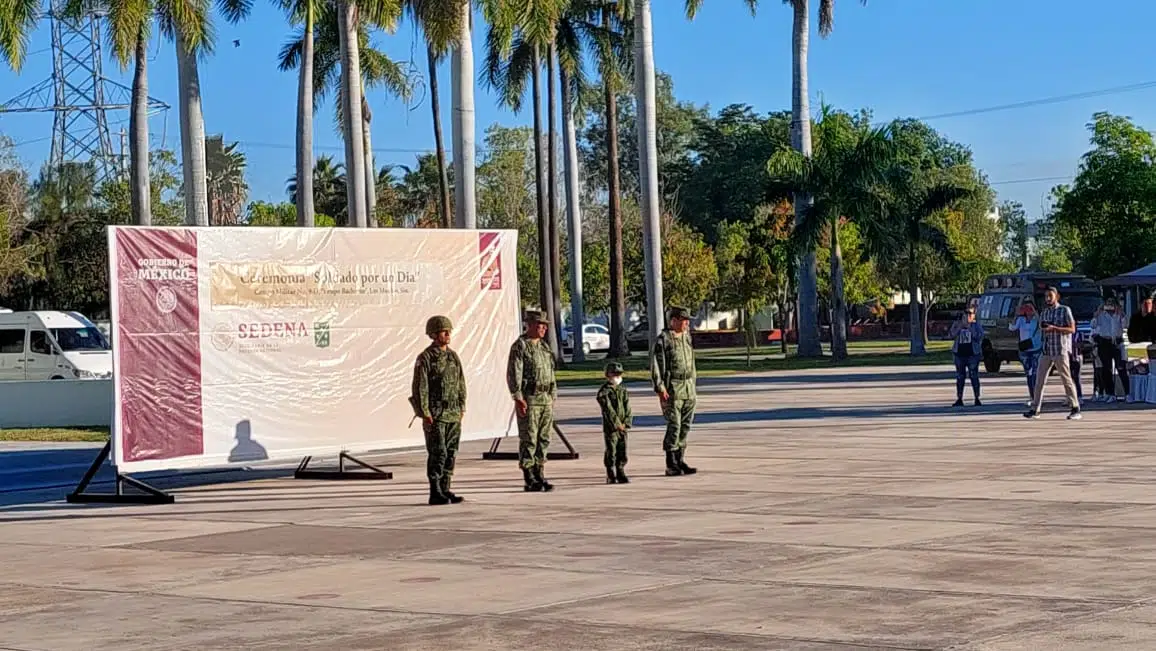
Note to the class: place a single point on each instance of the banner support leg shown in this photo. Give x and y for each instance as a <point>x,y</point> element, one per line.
<point>304,472</point>
<point>148,494</point>
<point>570,454</point>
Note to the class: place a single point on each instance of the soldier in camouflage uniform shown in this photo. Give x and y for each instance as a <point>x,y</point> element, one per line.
<point>530,379</point>
<point>614,400</point>
<point>439,398</point>
<point>673,375</point>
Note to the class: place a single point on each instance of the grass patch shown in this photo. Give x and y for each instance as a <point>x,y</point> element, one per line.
<point>56,434</point>
<point>729,361</point>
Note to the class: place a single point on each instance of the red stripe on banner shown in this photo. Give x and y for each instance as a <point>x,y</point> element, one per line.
<point>488,243</point>
<point>158,344</point>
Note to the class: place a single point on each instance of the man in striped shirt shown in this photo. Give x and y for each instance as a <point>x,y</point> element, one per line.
<point>1057,323</point>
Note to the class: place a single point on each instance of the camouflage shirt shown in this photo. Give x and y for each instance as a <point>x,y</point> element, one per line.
<point>615,404</point>
<point>439,385</point>
<point>530,371</point>
<point>672,365</point>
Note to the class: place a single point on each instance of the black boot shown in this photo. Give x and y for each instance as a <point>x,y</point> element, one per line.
<point>620,475</point>
<point>540,475</point>
<point>531,479</point>
<point>611,478</point>
<point>454,499</point>
<point>436,496</point>
<point>686,470</point>
<point>672,469</point>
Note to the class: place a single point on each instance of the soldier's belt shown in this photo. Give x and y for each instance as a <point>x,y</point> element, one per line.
<point>538,389</point>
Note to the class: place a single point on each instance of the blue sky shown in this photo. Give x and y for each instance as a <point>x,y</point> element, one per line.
<point>909,58</point>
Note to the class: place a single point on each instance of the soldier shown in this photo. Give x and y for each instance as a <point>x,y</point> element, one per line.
<point>439,398</point>
<point>614,400</point>
<point>530,379</point>
<point>672,374</point>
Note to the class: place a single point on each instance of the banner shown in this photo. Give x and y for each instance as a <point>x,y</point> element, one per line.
<point>235,345</point>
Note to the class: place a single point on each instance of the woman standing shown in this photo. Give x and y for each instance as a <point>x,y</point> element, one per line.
<point>967,345</point>
<point>1031,343</point>
<point>1108,334</point>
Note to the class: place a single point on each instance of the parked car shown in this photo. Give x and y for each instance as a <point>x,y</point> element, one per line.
<point>638,337</point>
<point>52,346</point>
<point>594,337</point>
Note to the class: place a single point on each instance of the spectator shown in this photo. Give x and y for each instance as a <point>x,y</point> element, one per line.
<point>1108,333</point>
<point>1076,364</point>
<point>1142,325</point>
<point>1031,343</point>
<point>1058,326</point>
<point>967,344</point>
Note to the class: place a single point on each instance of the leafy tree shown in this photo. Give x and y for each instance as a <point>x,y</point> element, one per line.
<point>746,270</point>
<point>1015,226</point>
<point>329,190</point>
<point>263,213</point>
<point>505,197</point>
<point>1106,219</point>
<point>596,276</point>
<point>689,271</point>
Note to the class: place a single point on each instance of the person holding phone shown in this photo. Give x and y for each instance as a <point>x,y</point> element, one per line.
<point>1031,342</point>
<point>966,346</point>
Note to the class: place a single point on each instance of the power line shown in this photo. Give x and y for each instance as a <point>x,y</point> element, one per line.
<point>1038,179</point>
<point>1054,99</point>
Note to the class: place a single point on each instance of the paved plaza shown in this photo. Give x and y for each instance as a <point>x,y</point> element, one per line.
<point>834,510</point>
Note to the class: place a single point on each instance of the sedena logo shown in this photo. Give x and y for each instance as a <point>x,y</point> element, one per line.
<point>321,334</point>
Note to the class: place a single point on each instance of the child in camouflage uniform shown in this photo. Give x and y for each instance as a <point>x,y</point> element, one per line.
<point>614,400</point>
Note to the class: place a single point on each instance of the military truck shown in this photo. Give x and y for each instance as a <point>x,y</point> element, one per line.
<point>1003,296</point>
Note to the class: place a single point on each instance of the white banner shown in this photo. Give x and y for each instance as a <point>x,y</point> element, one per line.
<point>235,345</point>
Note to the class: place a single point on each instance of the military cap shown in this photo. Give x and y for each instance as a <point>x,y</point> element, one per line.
<point>436,324</point>
<point>614,368</point>
<point>535,316</point>
<point>679,313</point>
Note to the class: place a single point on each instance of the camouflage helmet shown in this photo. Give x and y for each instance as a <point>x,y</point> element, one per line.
<point>614,368</point>
<point>436,324</point>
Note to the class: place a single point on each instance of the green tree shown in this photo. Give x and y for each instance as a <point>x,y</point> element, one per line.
<point>505,198</point>
<point>329,190</point>
<point>227,187</point>
<point>1015,226</point>
<point>689,272</point>
<point>746,270</point>
<point>1106,219</point>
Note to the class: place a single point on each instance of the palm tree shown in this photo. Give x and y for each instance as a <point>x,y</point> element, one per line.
<point>17,20</point>
<point>519,31</point>
<point>227,189</point>
<point>192,32</point>
<point>305,12</point>
<point>464,131</point>
<point>440,20</point>
<point>129,25</point>
<point>842,178</point>
<point>377,70</point>
<point>329,192</point>
<point>644,89</point>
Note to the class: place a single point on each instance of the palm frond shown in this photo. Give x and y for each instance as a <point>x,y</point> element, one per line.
<point>17,21</point>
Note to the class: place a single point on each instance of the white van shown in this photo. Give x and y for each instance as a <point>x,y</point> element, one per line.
<point>52,346</point>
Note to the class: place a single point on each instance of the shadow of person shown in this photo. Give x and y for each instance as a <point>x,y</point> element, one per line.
<point>246,448</point>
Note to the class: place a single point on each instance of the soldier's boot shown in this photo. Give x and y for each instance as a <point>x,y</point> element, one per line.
<point>620,475</point>
<point>672,469</point>
<point>686,470</point>
<point>454,499</point>
<point>436,496</point>
<point>540,474</point>
<point>611,478</point>
<point>532,483</point>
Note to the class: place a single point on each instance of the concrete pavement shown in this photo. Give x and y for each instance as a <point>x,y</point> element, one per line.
<point>834,510</point>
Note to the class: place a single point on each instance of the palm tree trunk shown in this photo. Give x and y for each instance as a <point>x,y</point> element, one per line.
<point>462,73</point>
<point>545,277</point>
<point>447,220</point>
<point>838,304</point>
<point>648,164</point>
<point>573,215</point>
<point>192,136</point>
<point>809,344</point>
<point>351,109</point>
<point>618,346</point>
<point>138,144</point>
<point>917,347</point>
<point>305,210</point>
<point>370,173</point>
<point>552,190</point>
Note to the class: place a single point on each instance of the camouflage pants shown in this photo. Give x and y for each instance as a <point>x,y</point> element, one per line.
<point>441,444</point>
<point>679,414</point>
<point>615,448</point>
<point>534,430</point>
